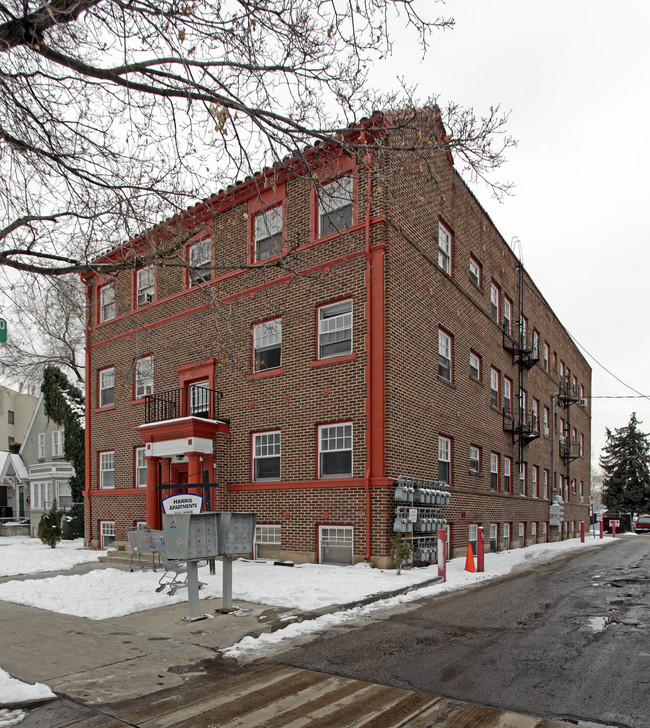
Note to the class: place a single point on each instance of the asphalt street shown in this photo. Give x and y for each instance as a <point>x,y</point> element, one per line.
<point>566,640</point>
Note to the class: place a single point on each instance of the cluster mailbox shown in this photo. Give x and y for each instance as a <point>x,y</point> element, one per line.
<point>198,536</point>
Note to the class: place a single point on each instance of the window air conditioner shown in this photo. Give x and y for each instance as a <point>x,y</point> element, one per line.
<point>583,401</point>
<point>562,440</point>
<point>148,297</point>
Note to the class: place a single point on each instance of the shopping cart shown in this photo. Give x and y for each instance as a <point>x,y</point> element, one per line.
<point>175,576</point>
<point>142,543</point>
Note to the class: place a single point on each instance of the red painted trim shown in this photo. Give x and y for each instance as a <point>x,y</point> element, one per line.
<point>265,200</point>
<point>452,241</point>
<point>88,408</point>
<point>108,408</point>
<point>198,238</point>
<point>343,167</point>
<point>265,373</point>
<point>333,360</point>
<point>183,428</point>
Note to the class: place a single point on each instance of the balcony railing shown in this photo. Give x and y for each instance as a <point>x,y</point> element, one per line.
<point>193,400</point>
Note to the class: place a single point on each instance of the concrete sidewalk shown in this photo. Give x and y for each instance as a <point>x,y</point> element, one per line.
<point>154,668</point>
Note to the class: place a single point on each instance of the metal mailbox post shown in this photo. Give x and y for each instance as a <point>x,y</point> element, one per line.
<point>199,536</point>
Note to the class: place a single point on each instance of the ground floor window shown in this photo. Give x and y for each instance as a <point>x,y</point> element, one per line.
<point>544,533</point>
<point>335,543</point>
<point>107,535</point>
<point>39,496</point>
<point>522,535</point>
<point>533,533</point>
<point>494,537</point>
<point>268,540</point>
<point>506,536</point>
<point>473,537</point>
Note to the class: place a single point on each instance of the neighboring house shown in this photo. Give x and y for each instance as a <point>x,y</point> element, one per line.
<point>400,337</point>
<point>15,412</point>
<point>14,482</point>
<point>48,471</point>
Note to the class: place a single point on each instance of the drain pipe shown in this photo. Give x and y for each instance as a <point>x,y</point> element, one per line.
<point>369,390</point>
<point>554,397</point>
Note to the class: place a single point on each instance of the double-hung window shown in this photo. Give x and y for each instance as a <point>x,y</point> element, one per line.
<point>140,468</point>
<point>535,416</point>
<point>107,469</point>
<point>475,271</point>
<point>335,451</point>
<point>507,395</point>
<point>64,494</point>
<point>494,301</point>
<point>57,443</point>
<point>535,478</point>
<point>494,387</point>
<point>107,302</point>
<point>41,446</point>
<point>444,355</point>
<point>143,377</point>
<point>547,416</point>
<point>267,345</point>
<point>335,208</point>
<point>335,329</point>
<point>522,478</point>
<point>494,471</point>
<point>444,460</point>
<point>507,315</point>
<point>474,458</point>
<point>145,286</point>
<point>268,233</point>
<point>545,495</point>
<point>444,248</point>
<point>266,455</point>
<point>106,387</point>
<point>199,399</point>
<point>507,472</point>
<point>474,365</point>
<point>200,261</point>
<point>536,344</point>
<point>547,356</point>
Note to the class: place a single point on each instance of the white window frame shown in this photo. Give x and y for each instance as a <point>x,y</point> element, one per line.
<point>199,258</point>
<point>533,532</point>
<point>547,417</point>
<point>266,534</point>
<point>140,467</point>
<point>494,471</point>
<point>544,532</point>
<point>106,378</point>
<point>107,308</point>
<point>507,474</point>
<point>107,535</point>
<point>545,494</point>
<point>444,248</point>
<point>267,226</point>
<point>267,338</point>
<point>335,321</point>
<point>338,437</point>
<point>522,479</point>
<point>474,271</point>
<point>336,536</point>
<point>106,459</point>
<point>494,387</point>
<point>474,458</point>
<point>39,490</point>
<point>472,537</point>
<point>535,481</point>
<point>536,343</point>
<point>507,396</point>
<point>57,443</point>
<point>444,459</point>
<point>145,286</point>
<point>336,206</point>
<point>198,398</point>
<point>535,413</point>
<point>494,301</point>
<point>522,534</point>
<point>63,490</point>
<point>506,537</point>
<point>494,537</point>
<point>41,446</point>
<point>143,377</point>
<point>547,356</point>
<point>267,446</point>
<point>474,365</point>
<point>444,356</point>
<point>507,315</point>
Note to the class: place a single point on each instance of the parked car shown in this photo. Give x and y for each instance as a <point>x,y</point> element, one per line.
<point>642,524</point>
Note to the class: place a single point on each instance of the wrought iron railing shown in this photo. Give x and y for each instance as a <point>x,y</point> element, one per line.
<point>192,400</point>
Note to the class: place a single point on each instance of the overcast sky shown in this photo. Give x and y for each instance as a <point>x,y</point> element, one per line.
<point>574,77</point>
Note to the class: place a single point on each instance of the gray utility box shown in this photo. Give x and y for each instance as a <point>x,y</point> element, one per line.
<point>198,536</point>
<point>556,512</point>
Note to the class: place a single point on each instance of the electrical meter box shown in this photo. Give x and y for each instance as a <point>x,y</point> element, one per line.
<point>198,536</point>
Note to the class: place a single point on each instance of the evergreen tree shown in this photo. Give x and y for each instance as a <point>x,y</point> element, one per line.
<point>64,404</point>
<point>49,527</point>
<point>626,479</point>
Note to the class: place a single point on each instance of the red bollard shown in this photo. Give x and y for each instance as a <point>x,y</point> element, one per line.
<point>480,550</point>
<point>582,531</point>
<point>601,528</point>
<point>613,530</point>
<point>442,553</point>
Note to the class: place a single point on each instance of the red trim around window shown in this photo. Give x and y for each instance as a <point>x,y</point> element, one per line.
<point>198,238</point>
<point>134,287</point>
<point>100,407</point>
<point>264,201</point>
<point>448,228</point>
<point>341,166</point>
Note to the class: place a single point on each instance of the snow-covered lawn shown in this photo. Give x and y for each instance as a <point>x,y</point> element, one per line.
<point>106,593</point>
<point>24,555</point>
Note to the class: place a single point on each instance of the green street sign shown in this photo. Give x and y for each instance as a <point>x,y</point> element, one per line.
<point>3,331</point>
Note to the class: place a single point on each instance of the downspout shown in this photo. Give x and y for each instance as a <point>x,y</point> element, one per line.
<point>88,408</point>
<point>554,396</point>
<point>369,368</point>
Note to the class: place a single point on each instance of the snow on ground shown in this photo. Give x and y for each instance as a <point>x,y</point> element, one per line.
<point>107,593</point>
<point>14,692</point>
<point>25,555</point>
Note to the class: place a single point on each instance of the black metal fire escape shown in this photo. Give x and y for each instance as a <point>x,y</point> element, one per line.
<point>567,396</point>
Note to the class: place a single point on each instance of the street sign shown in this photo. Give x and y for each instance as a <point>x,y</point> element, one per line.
<point>3,331</point>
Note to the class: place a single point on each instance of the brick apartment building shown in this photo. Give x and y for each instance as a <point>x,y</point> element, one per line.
<point>314,335</point>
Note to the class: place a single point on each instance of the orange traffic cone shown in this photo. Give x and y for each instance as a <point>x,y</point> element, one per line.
<point>469,562</point>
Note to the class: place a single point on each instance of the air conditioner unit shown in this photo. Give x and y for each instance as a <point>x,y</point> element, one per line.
<point>148,297</point>
<point>562,440</point>
<point>583,401</point>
